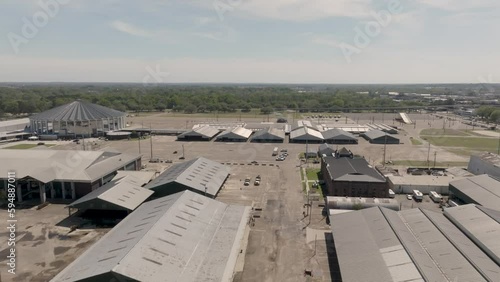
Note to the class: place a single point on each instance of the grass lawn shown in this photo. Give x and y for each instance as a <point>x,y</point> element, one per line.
<point>313,173</point>
<point>424,163</point>
<point>415,141</point>
<point>472,143</point>
<point>441,132</point>
<point>27,146</point>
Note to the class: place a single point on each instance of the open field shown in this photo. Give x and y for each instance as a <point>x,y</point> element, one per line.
<point>415,141</point>
<point>474,143</point>
<point>441,132</point>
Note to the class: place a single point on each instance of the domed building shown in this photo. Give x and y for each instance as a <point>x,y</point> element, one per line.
<point>77,119</point>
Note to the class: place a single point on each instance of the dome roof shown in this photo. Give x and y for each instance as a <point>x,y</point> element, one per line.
<point>78,111</point>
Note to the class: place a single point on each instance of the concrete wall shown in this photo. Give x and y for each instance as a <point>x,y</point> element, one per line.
<point>478,167</point>
<point>425,189</point>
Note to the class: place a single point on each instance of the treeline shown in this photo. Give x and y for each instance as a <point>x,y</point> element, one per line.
<point>191,99</point>
<point>489,113</point>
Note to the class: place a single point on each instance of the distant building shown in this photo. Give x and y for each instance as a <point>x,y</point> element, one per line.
<point>486,163</point>
<point>237,134</point>
<point>202,133</point>
<point>78,118</point>
<point>181,237</point>
<point>200,175</point>
<point>269,135</point>
<point>353,178</point>
<point>380,137</point>
<point>62,174</point>
<point>339,136</point>
<point>405,184</point>
<point>306,134</point>
<point>482,190</point>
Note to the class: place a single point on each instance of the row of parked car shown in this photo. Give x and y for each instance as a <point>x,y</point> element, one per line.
<point>256,182</point>
<point>283,155</point>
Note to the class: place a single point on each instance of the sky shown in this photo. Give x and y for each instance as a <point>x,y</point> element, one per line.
<point>250,41</point>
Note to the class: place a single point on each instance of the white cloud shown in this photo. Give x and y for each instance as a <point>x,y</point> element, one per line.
<point>458,5</point>
<point>131,29</point>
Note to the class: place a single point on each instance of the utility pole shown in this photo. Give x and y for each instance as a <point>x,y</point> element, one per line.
<point>139,139</point>
<point>435,153</point>
<point>385,147</point>
<point>428,156</point>
<point>183,150</point>
<point>151,139</point>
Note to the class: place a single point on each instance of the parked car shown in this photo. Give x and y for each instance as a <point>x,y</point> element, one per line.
<point>247,182</point>
<point>409,197</point>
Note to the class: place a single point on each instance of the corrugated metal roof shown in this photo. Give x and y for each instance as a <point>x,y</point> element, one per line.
<point>471,251</point>
<point>480,227</point>
<point>78,111</point>
<point>67,165</point>
<point>125,192</point>
<point>182,237</point>
<point>347,169</point>
<point>326,150</point>
<point>306,133</point>
<point>419,240</point>
<point>337,134</point>
<point>491,158</point>
<point>236,133</point>
<point>482,189</point>
<point>375,134</point>
<point>269,134</point>
<point>203,131</point>
<point>196,173</point>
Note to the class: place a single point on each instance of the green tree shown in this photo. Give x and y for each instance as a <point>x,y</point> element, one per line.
<point>189,109</point>
<point>266,110</point>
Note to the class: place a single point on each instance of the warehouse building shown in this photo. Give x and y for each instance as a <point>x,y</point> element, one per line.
<point>482,190</point>
<point>62,174</point>
<point>359,203</point>
<point>383,127</point>
<point>237,134</point>
<point>200,175</point>
<point>410,245</point>
<point>339,136</point>
<point>486,163</point>
<point>352,178</point>
<point>181,237</point>
<point>405,184</point>
<point>15,129</point>
<point>203,133</point>
<point>269,135</point>
<point>78,118</point>
<point>123,193</point>
<point>380,137</point>
<point>306,134</point>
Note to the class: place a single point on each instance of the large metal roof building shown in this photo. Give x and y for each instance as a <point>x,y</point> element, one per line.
<point>181,237</point>
<point>380,137</point>
<point>203,133</point>
<point>483,190</point>
<point>124,192</point>
<point>485,163</point>
<point>237,134</point>
<point>339,136</point>
<point>199,175</point>
<point>269,135</point>
<point>77,118</point>
<point>410,245</point>
<point>306,134</point>
<point>62,174</point>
